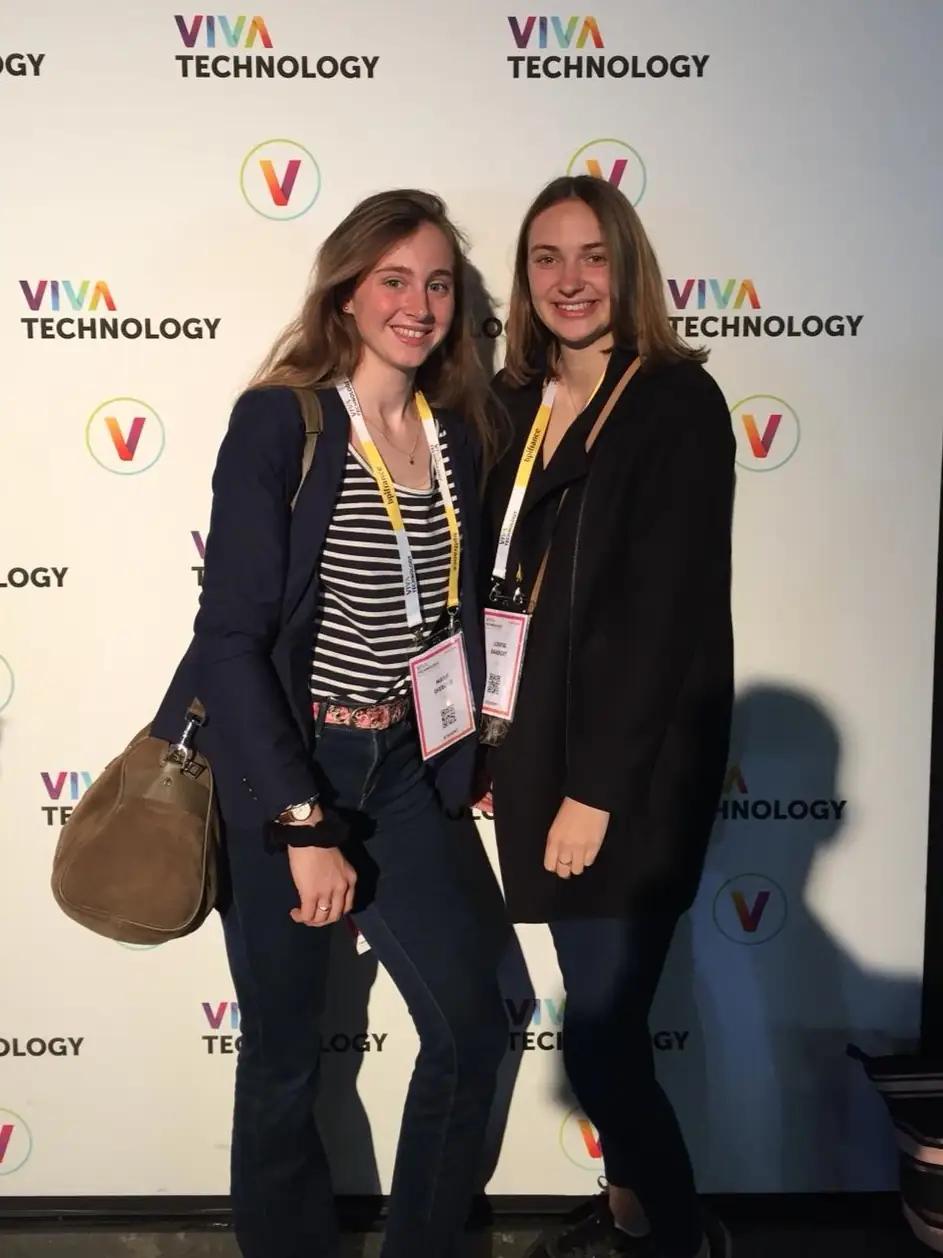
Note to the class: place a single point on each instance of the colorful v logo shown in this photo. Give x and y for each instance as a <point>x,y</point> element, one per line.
<point>280,190</point>
<point>761,446</point>
<point>125,446</point>
<point>590,1139</point>
<point>6,1135</point>
<point>750,918</point>
<point>615,175</point>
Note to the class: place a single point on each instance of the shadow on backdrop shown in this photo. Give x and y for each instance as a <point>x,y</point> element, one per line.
<point>778,994</point>
<point>481,312</point>
<point>759,998</point>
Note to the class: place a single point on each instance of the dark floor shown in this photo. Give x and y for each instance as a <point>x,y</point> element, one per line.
<point>875,1233</point>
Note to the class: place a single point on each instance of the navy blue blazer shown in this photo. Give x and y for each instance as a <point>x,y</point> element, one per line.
<point>249,662</point>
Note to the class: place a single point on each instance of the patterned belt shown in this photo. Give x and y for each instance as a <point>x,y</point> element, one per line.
<point>379,716</point>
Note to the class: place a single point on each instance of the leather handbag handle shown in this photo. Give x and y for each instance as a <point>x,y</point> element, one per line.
<point>590,442</point>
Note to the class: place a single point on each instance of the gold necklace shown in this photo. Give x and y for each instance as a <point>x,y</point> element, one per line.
<point>410,454</point>
<point>569,392</point>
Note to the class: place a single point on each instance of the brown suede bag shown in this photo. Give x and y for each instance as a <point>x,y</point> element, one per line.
<point>136,860</point>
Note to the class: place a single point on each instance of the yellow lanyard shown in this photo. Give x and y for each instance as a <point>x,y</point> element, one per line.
<point>391,502</point>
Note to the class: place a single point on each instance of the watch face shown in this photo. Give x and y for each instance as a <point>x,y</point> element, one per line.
<point>302,812</point>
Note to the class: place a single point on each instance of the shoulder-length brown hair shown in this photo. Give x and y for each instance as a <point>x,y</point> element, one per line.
<point>639,311</point>
<point>322,346</point>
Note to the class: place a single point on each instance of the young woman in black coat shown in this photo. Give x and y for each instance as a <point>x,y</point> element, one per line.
<point>607,779</point>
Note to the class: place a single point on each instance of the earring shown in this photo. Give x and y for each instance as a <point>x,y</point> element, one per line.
<point>347,308</point>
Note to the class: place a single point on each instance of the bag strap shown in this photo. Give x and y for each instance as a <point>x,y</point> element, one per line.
<point>313,417</point>
<point>590,442</point>
<point>311,413</point>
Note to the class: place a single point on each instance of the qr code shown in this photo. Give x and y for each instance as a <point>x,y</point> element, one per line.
<point>448,716</point>
<point>494,684</point>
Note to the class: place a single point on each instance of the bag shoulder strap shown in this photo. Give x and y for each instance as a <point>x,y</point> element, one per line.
<point>590,442</point>
<point>310,405</point>
<point>311,413</point>
<point>610,403</point>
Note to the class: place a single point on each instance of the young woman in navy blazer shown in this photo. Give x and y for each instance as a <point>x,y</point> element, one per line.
<point>301,659</point>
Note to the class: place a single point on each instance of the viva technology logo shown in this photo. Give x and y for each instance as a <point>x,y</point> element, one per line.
<point>225,1021</point>
<point>766,430</point>
<point>19,65</point>
<point>280,179</point>
<point>16,1142</point>
<point>691,296</point>
<point>739,804</point>
<point>80,310</point>
<point>750,909</point>
<point>215,33</point>
<point>125,435</point>
<point>43,578</point>
<point>581,35</point>
<point>543,1018</point>
<point>615,161</point>
<point>200,544</point>
<point>63,785</point>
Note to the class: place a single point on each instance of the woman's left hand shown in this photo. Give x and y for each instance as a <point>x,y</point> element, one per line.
<point>575,838</point>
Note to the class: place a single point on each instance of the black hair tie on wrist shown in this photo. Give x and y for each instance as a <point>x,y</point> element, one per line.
<point>333,831</point>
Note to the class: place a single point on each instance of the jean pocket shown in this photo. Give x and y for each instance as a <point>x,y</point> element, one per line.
<point>345,760</point>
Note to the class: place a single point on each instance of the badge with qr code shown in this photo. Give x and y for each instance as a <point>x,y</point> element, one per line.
<point>445,710</point>
<point>505,639</point>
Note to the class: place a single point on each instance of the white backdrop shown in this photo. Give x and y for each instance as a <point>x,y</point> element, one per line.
<point>789,151</point>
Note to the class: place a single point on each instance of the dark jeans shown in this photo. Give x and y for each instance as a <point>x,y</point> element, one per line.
<point>415,911</point>
<point>611,969</point>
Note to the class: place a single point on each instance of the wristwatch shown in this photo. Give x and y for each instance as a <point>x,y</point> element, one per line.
<point>285,831</point>
<point>298,812</point>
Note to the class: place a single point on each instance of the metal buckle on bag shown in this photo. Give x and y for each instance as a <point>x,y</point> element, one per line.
<point>182,753</point>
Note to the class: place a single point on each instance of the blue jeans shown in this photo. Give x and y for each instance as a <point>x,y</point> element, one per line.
<point>611,968</point>
<point>416,913</point>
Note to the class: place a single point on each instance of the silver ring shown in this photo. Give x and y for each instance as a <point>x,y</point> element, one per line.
<point>324,908</point>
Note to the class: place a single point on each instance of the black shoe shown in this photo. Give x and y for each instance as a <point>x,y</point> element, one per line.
<point>591,1233</point>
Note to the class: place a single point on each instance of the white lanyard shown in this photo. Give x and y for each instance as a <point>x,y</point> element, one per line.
<point>535,441</point>
<point>391,503</point>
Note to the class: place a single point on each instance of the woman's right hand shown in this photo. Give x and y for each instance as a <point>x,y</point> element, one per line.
<point>325,881</point>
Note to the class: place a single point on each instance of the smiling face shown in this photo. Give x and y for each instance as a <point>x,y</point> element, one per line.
<point>404,306</point>
<point>568,273</point>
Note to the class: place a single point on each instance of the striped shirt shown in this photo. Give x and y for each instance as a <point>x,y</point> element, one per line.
<point>363,643</point>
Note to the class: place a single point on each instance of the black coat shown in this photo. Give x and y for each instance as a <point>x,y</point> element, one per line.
<point>635,609</point>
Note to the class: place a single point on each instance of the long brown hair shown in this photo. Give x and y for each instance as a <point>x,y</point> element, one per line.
<point>322,346</point>
<point>639,311</point>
